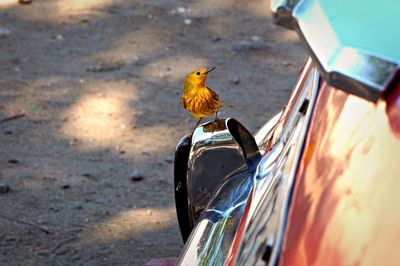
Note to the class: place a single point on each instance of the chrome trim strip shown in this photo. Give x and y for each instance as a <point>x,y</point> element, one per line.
<point>273,185</point>
<point>284,211</point>
<point>263,135</point>
<point>343,63</point>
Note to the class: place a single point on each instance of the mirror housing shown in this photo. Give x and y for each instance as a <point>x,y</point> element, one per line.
<point>216,151</point>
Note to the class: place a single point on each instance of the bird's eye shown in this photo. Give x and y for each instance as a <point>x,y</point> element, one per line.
<point>198,73</point>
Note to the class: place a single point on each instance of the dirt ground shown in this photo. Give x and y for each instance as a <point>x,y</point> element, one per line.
<point>89,97</point>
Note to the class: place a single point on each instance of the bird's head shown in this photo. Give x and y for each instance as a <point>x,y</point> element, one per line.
<point>197,78</point>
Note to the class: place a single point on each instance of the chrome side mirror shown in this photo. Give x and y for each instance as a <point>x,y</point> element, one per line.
<point>217,150</point>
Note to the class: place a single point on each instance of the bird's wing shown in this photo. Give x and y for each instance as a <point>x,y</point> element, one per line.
<point>214,95</point>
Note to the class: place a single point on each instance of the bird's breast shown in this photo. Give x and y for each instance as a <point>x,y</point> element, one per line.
<point>200,103</point>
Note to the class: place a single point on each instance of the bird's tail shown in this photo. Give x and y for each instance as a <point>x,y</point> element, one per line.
<point>225,105</point>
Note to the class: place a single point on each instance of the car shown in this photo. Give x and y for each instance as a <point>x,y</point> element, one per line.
<point>319,183</point>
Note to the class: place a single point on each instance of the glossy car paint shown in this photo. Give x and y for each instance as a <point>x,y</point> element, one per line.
<point>344,208</point>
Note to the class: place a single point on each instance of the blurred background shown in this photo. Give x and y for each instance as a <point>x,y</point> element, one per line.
<point>90,117</point>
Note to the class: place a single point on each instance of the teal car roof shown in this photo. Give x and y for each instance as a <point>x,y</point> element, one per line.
<point>355,43</point>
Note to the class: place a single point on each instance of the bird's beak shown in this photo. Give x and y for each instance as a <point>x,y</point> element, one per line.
<point>209,70</point>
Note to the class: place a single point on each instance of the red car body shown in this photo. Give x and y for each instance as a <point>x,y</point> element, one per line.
<point>344,209</point>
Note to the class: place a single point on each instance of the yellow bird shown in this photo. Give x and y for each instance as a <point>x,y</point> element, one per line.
<point>198,99</point>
